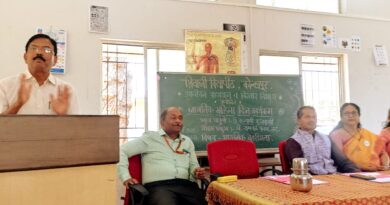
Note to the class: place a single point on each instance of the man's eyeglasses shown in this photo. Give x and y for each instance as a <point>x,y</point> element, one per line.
<point>353,114</point>
<point>46,50</point>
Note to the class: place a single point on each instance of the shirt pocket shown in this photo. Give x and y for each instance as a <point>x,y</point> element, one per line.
<point>183,160</point>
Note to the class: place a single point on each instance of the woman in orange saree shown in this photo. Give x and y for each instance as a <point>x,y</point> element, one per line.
<point>359,145</point>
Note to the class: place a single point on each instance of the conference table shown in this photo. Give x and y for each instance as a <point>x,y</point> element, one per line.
<point>338,189</point>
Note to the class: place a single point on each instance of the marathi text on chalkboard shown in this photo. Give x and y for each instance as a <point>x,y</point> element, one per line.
<point>256,108</point>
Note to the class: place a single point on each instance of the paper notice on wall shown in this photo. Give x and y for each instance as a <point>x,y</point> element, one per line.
<point>307,35</point>
<point>380,55</point>
<point>98,19</point>
<point>356,43</point>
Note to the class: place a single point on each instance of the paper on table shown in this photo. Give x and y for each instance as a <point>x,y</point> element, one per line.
<point>382,180</point>
<point>286,179</point>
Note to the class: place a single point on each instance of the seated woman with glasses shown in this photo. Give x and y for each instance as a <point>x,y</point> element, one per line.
<point>359,145</point>
<point>384,135</point>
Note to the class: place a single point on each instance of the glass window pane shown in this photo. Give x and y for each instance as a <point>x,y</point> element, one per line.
<point>153,108</point>
<point>172,61</point>
<point>104,47</point>
<point>320,83</point>
<point>124,84</point>
<point>321,89</point>
<point>123,87</point>
<point>264,2</point>
<point>112,57</point>
<point>111,48</point>
<point>130,49</point>
<point>292,4</point>
<point>330,6</point>
<point>319,59</point>
<point>319,67</point>
<point>279,65</point>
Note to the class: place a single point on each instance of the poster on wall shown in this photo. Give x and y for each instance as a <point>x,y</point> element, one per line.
<point>307,35</point>
<point>244,44</point>
<point>98,19</point>
<point>345,43</point>
<point>356,43</point>
<point>380,55</point>
<point>329,36</point>
<point>213,52</point>
<point>60,37</point>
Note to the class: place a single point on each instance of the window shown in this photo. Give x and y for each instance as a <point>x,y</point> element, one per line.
<point>279,65</point>
<point>330,6</point>
<point>129,85</point>
<point>321,82</point>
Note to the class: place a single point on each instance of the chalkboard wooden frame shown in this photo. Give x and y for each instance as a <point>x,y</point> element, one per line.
<point>260,108</point>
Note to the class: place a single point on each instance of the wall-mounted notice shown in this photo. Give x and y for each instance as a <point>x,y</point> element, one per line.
<point>380,55</point>
<point>329,36</point>
<point>98,19</point>
<point>307,35</point>
<point>60,37</point>
<point>344,43</point>
<point>257,108</point>
<point>356,43</point>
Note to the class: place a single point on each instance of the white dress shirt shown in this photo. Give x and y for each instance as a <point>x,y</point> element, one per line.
<point>39,101</point>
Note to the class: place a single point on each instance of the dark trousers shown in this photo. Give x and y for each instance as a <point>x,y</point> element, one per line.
<point>174,192</point>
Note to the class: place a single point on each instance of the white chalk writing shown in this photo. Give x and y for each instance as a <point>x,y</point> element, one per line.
<point>226,83</point>
<point>195,94</point>
<point>195,83</point>
<point>201,109</point>
<point>258,85</point>
<point>262,111</point>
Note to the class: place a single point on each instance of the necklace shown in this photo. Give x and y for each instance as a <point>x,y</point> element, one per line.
<point>177,148</point>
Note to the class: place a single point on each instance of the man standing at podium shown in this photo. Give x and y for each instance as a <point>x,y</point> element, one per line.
<point>169,163</point>
<point>38,91</point>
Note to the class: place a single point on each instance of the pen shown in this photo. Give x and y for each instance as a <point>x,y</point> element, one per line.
<point>186,151</point>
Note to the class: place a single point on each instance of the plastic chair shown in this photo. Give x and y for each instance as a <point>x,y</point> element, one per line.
<point>283,159</point>
<point>136,193</point>
<point>233,157</point>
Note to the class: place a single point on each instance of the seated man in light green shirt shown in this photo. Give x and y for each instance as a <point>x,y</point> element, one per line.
<point>169,163</point>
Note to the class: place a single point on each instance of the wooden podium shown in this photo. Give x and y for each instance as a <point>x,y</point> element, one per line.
<point>58,159</point>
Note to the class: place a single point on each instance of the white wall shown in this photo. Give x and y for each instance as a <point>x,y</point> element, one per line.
<point>165,21</point>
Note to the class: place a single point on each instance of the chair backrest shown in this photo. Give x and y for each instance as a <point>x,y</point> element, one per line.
<point>135,170</point>
<point>233,157</point>
<point>283,160</point>
<point>135,167</point>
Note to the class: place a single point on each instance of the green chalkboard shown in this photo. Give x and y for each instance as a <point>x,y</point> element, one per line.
<point>251,107</point>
